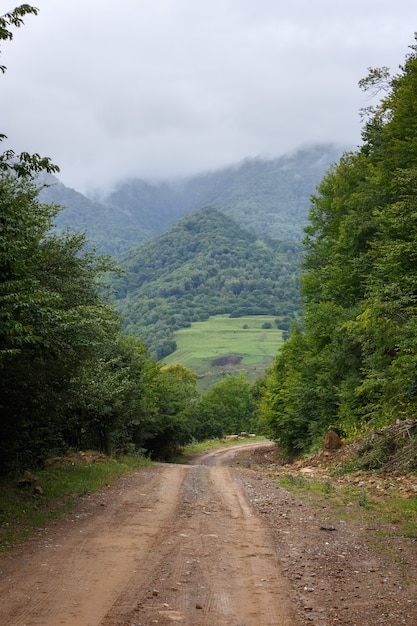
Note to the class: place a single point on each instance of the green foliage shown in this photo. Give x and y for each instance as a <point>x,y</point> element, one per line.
<point>196,447</point>
<point>111,398</point>
<point>52,320</point>
<point>227,408</point>
<point>23,164</point>
<point>288,396</point>
<point>13,19</point>
<point>353,362</point>
<point>173,418</point>
<point>68,377</point>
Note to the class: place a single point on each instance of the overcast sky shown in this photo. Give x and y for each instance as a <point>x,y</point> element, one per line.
<point>162,88</point>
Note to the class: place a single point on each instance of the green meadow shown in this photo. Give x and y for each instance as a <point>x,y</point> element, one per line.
<point>243,341</point>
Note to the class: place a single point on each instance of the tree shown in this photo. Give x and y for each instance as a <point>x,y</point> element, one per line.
<point>68,377</point>
<point>170,425</point>
<point>52,320</point>
<point>352,364</point>
<point>227,408</point>
<point>111,401</point>
<point>387,326</point>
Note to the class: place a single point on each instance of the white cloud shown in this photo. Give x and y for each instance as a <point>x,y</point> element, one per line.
<point>173,87</point>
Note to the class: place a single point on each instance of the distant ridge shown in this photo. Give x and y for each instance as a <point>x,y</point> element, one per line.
<point>269,197</point>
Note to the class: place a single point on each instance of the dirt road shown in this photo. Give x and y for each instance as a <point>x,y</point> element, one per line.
<point>171,544</point>
<point>215,544</point>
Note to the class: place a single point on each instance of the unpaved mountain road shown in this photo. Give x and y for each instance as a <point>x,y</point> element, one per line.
<point>198,545</point>
<point>170,544</point>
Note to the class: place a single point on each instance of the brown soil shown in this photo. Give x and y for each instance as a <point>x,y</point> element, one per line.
<point>206,544</point>
<point>227,360</point>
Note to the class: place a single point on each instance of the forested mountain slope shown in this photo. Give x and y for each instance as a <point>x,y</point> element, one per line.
<point>109,228</point>
<point>268,197</point>
<point>206,264</point>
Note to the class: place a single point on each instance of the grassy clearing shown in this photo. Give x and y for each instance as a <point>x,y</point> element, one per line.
<point>221,336</point>
<point>22,510</point>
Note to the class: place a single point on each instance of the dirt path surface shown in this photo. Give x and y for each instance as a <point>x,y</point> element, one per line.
<point>204,544</point>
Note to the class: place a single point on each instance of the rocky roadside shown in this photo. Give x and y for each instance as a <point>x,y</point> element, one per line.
<point>344,565</point>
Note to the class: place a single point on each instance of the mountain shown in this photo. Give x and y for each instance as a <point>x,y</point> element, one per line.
<point>238,257</point>
<point>205,264</point>
<point>269,197</point>
<point>110,229</point>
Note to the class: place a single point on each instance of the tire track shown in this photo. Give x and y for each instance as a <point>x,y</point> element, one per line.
<point>221,566</point>
<point>75,576</point>
<point>171,544</point>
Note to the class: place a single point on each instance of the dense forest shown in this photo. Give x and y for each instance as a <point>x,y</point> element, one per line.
<point>351,364</point>
<point>204,265</point>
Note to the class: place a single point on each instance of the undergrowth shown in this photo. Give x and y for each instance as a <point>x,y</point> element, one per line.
<point>395,515</point>
<point>391,449</point>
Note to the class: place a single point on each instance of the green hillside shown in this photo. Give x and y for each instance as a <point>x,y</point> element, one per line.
<point>110,229</point>
<point>205,265</point>
<point>224,345</point>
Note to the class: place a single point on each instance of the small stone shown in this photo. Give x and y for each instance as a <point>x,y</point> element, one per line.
<point>198,606</point>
